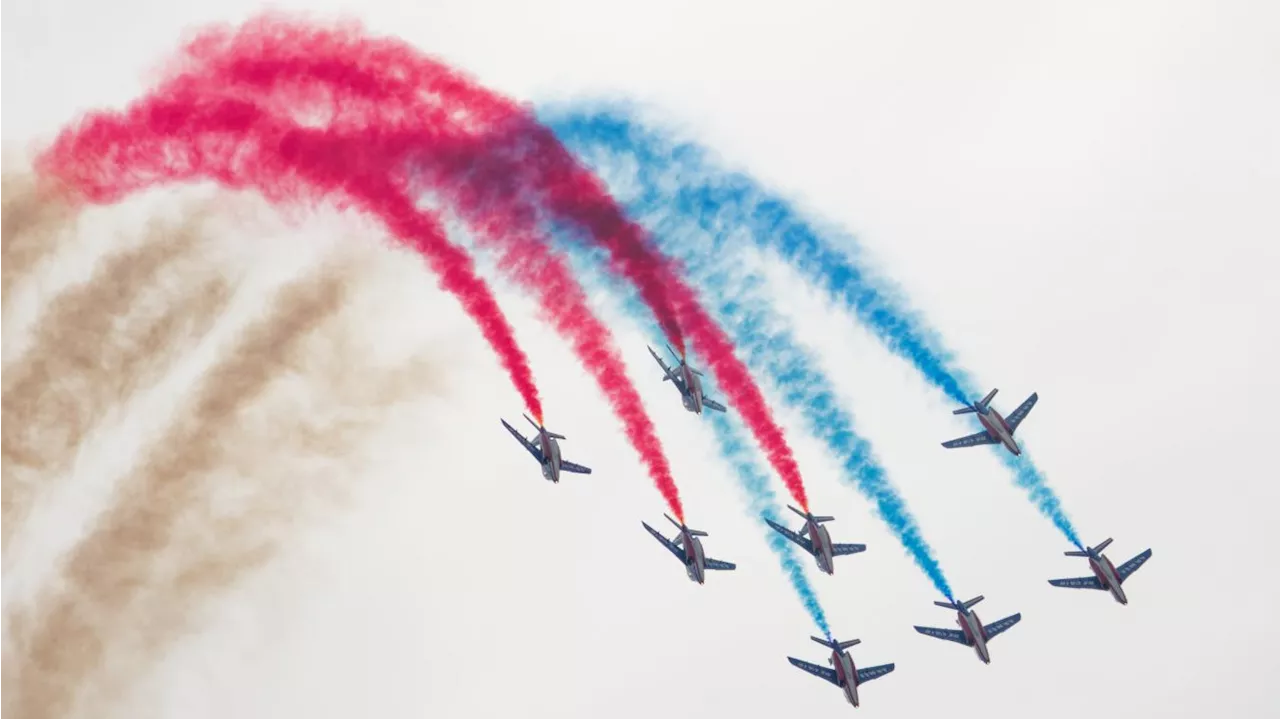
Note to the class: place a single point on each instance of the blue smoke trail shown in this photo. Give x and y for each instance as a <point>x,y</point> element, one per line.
<point>743,308</point>
<point>764,503</point>
<point>728,433</point>
<point>672,179</point>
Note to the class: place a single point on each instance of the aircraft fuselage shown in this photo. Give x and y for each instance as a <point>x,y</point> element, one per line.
<point>847,674</point>
<point>693,390</point>
<point>971,625</point>
<point>1106,573</point>
<point>995,425</point>
<point>551,455</point>
<point>822,550</point>
<point>695,559</point>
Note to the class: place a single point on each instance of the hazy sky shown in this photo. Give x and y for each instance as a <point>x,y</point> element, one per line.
<point>1081,198</point>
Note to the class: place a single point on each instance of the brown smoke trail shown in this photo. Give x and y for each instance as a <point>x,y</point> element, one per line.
<point>35,215</point>
<point>95,345</point>
<point>115,587</point>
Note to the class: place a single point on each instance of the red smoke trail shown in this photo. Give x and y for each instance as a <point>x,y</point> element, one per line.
<point>179,136</point>
<point>385,83</point>
<point>298,78</point>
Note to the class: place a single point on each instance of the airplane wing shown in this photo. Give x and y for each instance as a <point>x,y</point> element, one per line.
<point>533,449</point>
<point>1015,418</point>
<point>866,675</point>
<point>717,564</point>
<point>575,468</point>
<point>1124,570</point>
<point>1089,582</point>
<point>802,541</point>
<point>712,404</point>
<point>839,550</point>
<point>972,440</point>
<point>675,378</point>
<point>999,625</point>
<point>952,635</point>
<point>817,671</point>
<point>669,544</point>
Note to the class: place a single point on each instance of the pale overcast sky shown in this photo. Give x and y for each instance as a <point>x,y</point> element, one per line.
<point>1081,197</point>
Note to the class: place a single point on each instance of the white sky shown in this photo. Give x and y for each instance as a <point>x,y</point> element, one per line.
<point>1081,197</point>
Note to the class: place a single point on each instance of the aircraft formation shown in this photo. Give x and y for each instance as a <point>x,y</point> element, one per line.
<point>816,541</point>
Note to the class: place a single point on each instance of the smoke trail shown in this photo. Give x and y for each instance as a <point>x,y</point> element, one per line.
<point>176,135</point>
<point>754,483</point>
<point>291,74</point>
<point>678,178</point>
<point>775,350</point>
<point>830,259</point>
<point>163,544</point>
<point>34,217</point>
<point>95,344</point>
<point>760,333</point>
<point>764,503</point>
<point>517,159</point>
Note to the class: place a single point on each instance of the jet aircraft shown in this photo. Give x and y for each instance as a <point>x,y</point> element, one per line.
<point>843,673</point>
<point>995,429</point>
<point>971,632</point>
<point>818,541</point>
<point>1105,574</point>
<point>546,451</point>
<point>688,549</point>
<point>686,379</point>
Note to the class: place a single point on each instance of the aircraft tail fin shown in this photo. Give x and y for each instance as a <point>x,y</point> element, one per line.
<point>834,645</point>
<point>541,428</point>
<point>692,532</point>
<point>818,519</point>
<point>980,406</point>
<point>960,605</point>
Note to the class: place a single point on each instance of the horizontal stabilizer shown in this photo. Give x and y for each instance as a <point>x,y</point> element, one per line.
<point>1074,553</point>
<point>693,532</point>
<point>836,645</point>
<point>1105,543</point>
<point>964,410</point>
<point>987,400</point>
<point>973,601</point>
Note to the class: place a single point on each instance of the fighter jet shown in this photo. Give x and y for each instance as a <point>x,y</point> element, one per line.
<point>546,451</point>
<point>688,549</point>
<point>1105,574</point>
<point>971,633</point>
<point>685,378</point>
<point>843,674</point>
<point>996,429</point>
<point>818,542</point>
